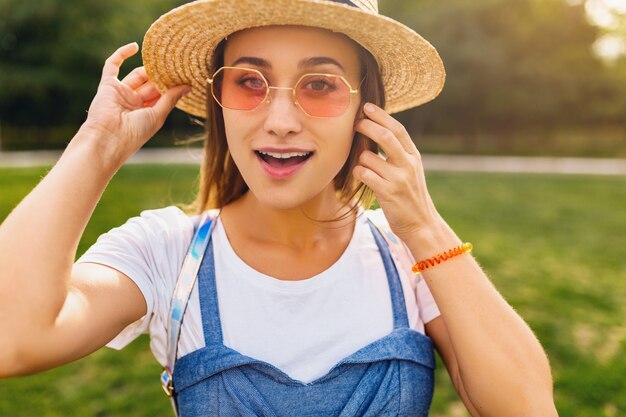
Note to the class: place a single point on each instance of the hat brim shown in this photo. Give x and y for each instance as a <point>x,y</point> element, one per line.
<point>178,47</point>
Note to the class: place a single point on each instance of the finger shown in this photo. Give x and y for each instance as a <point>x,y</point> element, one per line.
<point>148,92</point>
<point>384,138</point>
<point>376,163</point>
<point>136,78</point>
<point>151,102</point>
<point>384,119</point>
<point>168,100</point>
<point>114,62</point>
<point>368,177</point>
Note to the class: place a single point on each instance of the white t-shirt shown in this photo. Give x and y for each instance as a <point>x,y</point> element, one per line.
<point>301,327</point>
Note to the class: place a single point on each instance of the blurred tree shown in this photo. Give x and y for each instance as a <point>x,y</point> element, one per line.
<point>52,52</point>
<point>511,65</point>
<point>610,17</point>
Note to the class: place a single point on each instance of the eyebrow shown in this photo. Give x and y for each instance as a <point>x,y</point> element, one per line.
<point>305,63</point>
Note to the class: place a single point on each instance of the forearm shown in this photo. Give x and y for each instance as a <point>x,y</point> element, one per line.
<point>503,367</point>
<point>39,239</point>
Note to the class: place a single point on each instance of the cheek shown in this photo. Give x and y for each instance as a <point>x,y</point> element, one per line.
<point>342,134</point>
<point>337,147</point>
<point>235,129</point>
<point>231,127</point>
<point>347,138</point>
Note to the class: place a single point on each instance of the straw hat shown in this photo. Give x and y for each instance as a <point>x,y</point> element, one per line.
<point>178,47</point>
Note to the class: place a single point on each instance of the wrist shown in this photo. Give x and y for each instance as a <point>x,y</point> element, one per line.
<point>431,240</point>
<point>98,147</point>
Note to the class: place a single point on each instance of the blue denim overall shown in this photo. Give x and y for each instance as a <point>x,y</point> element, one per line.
<point>392,376</point>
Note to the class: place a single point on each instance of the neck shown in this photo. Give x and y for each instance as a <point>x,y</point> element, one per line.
<point>300,227</point>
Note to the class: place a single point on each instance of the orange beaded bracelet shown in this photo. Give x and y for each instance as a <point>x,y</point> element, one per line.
<point>437,259</point>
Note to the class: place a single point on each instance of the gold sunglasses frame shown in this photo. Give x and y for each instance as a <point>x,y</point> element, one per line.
<point>267,98</point>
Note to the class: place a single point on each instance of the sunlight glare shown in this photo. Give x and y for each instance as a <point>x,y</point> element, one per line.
<point>610,47</point>
<point>601,13</point>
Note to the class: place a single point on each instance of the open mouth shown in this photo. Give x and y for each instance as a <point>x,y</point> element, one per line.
<point>281,165</point>
<point>283,160</point>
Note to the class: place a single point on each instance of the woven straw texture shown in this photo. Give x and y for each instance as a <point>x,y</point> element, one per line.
<point>178,47</point>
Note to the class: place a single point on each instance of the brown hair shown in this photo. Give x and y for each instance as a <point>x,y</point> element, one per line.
<point>220,180</point>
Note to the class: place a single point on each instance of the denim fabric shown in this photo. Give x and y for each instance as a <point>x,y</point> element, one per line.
<point>392,376</point>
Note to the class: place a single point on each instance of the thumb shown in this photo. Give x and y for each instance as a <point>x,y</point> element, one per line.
<point>168,100</point>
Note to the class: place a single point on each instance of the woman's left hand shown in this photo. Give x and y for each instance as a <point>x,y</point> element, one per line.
<point>398,181</point>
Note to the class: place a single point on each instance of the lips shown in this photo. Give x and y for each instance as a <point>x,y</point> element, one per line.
<point>282,163</point>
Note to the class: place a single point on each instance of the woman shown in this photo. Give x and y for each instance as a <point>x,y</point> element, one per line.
<point>300,306</point>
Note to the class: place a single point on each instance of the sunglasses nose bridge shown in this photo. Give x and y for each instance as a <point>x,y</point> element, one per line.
<point>268,99</point>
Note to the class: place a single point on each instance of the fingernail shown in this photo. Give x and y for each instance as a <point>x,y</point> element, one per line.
<point>370,108</point>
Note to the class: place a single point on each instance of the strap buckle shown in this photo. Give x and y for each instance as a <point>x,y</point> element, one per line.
<point>167,382</point>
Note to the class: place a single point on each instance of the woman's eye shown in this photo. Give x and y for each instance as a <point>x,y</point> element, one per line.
<point>252,82</point>
<point>318,85</point>
<point>321,84</point>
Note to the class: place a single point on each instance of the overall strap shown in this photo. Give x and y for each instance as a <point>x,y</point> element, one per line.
<point>400,318</point>
<point>209,306</point>
<point>184,285</point>
<point>401,254</point>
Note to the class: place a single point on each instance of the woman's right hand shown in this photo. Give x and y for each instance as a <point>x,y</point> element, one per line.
<point>125,114</point>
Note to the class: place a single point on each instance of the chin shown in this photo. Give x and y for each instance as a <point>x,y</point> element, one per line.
<point>279,201</point>
<point>288,198</point>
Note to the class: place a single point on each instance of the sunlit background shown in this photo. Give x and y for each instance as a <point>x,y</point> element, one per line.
<point>524,77</point>
<point>609,15</point>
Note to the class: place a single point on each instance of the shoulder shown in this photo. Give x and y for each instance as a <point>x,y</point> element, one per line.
<point>378,219</point>
<point>148,236</point>
<point>163,222</point>
<point>377,216</point>
<point>404,260</point>
<point>165,218</point>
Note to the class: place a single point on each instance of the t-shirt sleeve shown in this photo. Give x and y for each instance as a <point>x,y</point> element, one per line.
<point>149,249</point>
<point>426,302</point>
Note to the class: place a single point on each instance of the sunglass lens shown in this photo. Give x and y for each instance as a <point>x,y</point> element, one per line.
<point>323,95</point>
<point>239,89</point>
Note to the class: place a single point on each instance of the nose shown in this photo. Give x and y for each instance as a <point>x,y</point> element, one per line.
<point>283,115</point>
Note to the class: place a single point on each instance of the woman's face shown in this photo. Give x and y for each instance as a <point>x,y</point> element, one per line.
<point>280,127</point>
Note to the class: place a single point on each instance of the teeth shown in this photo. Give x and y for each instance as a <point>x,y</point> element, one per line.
<point>284,155</point>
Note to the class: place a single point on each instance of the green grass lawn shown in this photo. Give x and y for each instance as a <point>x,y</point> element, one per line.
<point>553,246</point>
